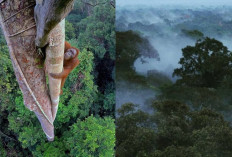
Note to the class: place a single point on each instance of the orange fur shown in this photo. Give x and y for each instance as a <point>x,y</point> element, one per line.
<point>68,66</point>
<point>67,46</point>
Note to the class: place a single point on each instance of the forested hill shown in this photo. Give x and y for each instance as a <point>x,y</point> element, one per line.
<point>85,120</point>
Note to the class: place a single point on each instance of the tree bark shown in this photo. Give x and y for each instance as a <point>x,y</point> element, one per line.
<point>17,22</point>
<point>21,31</point>
<point>48,13</point>
<point>54,62</point>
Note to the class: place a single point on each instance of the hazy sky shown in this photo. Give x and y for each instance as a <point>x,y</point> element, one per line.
<point>173,2</point>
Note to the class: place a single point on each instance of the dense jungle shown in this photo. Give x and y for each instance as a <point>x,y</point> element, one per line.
<point>85,120</point>
<point>174,70</point>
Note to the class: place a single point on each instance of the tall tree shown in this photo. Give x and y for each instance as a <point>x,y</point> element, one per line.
<point>207,64</point>
<point>19,28</point>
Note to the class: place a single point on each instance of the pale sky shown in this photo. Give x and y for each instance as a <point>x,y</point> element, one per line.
<point>173,2</point>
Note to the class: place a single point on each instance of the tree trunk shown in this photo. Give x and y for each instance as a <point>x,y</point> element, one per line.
<point>54,62</point>
<point>48,13</point>
<point>22,34</point>
<point>18,24</point>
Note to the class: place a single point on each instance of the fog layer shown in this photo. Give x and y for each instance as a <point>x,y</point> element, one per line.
<point>166,29</point>
<point>121,3</point>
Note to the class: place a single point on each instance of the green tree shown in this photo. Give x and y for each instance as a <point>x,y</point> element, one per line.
<point>130,46</point>
<point>95,137</point>
<point>69,31</point>
<point>9,145</point>
<point>174,130</point>
<point>134,132</point>
<point>207,64</point>
<point>96,32</point>
<point>22,132</point>
<point>194,34</point>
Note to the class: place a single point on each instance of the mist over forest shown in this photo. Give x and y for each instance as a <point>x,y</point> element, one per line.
<point>168,29</point>
<point>173,78</point>
<point>177,3</point>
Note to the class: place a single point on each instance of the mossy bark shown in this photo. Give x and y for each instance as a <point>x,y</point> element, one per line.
<point>47,15</point>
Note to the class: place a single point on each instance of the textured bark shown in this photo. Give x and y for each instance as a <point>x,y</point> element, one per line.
<point>48,13</point>
<point>17,21</point>
<point>54,62</point>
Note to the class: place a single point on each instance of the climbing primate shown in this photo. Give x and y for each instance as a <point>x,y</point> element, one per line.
<point>70,62</point>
